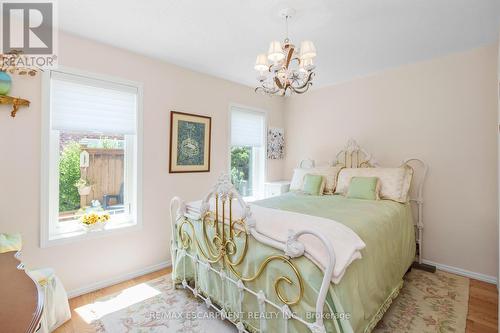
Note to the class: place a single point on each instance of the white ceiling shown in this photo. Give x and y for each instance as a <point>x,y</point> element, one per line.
<point>223,37</point>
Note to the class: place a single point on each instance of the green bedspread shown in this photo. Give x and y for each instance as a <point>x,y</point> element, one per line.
<point>366,289</point>
<point>385,226</point>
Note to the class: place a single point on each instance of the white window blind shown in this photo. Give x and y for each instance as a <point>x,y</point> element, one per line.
<point>247,128</point>
<point>83,104</point>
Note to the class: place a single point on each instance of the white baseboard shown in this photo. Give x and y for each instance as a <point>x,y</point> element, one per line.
<point>109,282</point>
<point>462,272</point>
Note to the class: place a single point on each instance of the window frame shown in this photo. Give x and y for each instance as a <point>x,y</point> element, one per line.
<point>50,232</point>
<point>265,114</point>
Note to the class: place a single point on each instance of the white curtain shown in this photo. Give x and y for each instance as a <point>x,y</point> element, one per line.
<point>83,104</point>
<point>247,127</point>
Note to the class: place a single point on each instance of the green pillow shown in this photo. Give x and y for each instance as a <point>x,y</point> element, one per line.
<point>313,184</point>
<point>363,188</point>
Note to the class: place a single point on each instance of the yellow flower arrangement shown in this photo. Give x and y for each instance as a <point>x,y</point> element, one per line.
<point>93,218</point>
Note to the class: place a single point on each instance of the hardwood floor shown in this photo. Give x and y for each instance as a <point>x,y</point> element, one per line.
<point>483,308</point>
<point>77,324</point>
<point>482,316</point>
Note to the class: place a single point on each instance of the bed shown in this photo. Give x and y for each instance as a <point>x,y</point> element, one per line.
<point>286,279</point>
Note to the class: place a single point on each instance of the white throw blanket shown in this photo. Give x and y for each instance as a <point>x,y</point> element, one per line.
<point>275,223</point>
<point>346,243</point>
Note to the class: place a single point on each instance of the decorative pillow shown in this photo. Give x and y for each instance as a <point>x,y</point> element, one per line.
<point>394,182</point>
<point>313,184</point>
<point>329,174</point>
<point>366,188</point>
<point>298,179</point>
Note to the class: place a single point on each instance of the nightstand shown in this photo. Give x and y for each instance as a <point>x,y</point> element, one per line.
<point>279,187</point>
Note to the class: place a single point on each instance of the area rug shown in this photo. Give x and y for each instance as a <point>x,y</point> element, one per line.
<point>427,303</point>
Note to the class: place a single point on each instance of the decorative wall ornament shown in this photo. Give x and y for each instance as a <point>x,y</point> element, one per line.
<point>275,143</point>
<point>5,83</point>
<point>15,102</point>
<point>189,142</point>
<point>13,63</point>
<point>10,63</point>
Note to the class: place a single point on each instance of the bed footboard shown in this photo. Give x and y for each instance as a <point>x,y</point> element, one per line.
<point>213,238</point>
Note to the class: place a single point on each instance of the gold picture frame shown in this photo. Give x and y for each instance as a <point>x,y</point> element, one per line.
<point>190,137</point>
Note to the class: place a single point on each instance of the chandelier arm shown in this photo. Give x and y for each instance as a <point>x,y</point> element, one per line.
<point>298,91</point>
<point>306,83</point>
<point>289,57</point>
<point>303,89</point>
<point>278,82</point>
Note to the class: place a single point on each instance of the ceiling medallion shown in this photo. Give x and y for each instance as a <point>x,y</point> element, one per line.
<point>285,69</point>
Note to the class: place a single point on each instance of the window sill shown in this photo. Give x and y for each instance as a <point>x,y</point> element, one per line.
<point>73,232</point>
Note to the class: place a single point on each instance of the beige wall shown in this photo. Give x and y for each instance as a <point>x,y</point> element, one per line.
<point>443,111</point>
<point>166,87</point>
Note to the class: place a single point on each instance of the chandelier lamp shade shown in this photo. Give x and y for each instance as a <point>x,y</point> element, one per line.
<point>307,50</point>
<point>261,64</point>
<point>285,70</point>
<point>275,53</point>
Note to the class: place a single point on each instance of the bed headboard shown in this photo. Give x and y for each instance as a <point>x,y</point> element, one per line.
<point>354,156</point>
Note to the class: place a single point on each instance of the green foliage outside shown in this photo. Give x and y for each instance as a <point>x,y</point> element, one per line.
<point>69,174</point>
<point>240,169</point>
<point>108,143</point>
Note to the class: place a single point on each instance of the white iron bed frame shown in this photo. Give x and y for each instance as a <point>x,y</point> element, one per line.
<point>352,156</point>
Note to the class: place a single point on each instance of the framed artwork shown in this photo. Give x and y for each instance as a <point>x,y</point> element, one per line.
<point>275,143</point>
<point>189,142</point>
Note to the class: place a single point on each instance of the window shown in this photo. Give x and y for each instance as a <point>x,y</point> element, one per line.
<point>91,153</point>
<point>247,151</point>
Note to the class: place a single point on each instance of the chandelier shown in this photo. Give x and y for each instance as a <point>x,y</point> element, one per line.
<point>285,69</point>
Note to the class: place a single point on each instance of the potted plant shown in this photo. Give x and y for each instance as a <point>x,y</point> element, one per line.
<point>94,220</point>
<point>83,186</point>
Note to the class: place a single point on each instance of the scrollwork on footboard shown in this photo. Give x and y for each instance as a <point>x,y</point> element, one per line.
<point>221,245</point>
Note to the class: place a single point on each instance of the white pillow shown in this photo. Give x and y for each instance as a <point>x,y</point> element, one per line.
<point>395,182</point>
<point>298,179</point>
<point>329,174</point>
